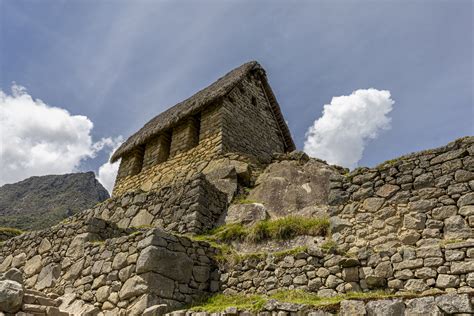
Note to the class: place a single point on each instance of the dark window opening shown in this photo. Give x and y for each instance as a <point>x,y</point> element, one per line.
<point>254,101</point>
<point>195,129</point>
<point>164,147</point>
<point>137,156</point>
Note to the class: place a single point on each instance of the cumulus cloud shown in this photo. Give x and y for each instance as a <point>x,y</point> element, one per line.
<point>340,135</point>
<point>108,171</point>
<point>38,139</point>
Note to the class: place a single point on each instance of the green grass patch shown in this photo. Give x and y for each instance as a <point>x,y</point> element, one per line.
<point>255,303</point>
<point>329,246</point>
<point>220,302</point>
<point>279,229</point>
<point>11,231</point>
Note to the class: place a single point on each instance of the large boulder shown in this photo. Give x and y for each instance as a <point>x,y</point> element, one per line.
<point>422,306</point>
<point>134,286</point>
<point>175,265</point>
<point>291,186</point>
<point>224,178</point>
<point>11,296</point>
<point>352,308</point>
<point>246,214</point>
<point>453,303</point>
<point>48,276</point>
<point>385,307</point>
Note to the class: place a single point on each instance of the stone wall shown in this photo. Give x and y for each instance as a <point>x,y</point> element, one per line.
<point>185,135</point>
<point>181,165</point>
<point>406,225</point>
<point>428,269</point>
<point>191,207</point>
<point>249,125</point>
<point>120,276</point>
<point>157,150</point>
<point>417,200</point>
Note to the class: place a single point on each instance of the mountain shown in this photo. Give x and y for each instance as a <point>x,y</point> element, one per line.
<point>40,202</point>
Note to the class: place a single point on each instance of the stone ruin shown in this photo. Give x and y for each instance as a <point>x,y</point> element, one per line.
<point>405,226</point>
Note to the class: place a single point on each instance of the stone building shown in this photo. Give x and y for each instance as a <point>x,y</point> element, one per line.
<point>235,119</point>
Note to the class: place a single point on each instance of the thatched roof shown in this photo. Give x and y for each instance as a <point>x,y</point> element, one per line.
<point>198,102</point>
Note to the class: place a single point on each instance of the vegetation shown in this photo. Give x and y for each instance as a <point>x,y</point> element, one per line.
<point>11,231</point>
<point>220,302</point>
<point>41,202</point>
<point>329,246</point>
<point>279,229</point>
<point>244,201</point>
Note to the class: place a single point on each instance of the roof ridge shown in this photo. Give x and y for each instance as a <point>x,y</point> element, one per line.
<point>168,118</point>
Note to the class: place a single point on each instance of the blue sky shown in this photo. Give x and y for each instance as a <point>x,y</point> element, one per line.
<point>121,62</point>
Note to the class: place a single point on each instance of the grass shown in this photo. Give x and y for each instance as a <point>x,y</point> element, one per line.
<point>255,303</point>
<point>220,302</point>
<point>279,229</point>
<point>11,231</point>
<point>329,246</point>
<point>244,201</point>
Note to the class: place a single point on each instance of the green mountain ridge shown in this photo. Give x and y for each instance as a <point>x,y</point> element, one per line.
<point>42,201</point>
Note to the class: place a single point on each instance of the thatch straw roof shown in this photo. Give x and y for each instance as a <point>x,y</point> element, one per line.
<point>200,100</point>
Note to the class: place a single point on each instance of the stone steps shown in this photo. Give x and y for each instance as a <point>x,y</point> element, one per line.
<point>36,303</point>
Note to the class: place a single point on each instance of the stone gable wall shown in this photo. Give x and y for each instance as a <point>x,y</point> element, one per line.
<point>190,207</point>
<point>249,127</point>
<point>121,275</point>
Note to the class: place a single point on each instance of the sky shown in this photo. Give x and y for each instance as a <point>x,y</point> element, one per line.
<point>391,77</point>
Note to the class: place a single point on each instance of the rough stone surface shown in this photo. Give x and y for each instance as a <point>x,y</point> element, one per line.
<point>11,296</point>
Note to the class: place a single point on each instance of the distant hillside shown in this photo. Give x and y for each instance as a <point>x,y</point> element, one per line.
<point>40,202</point>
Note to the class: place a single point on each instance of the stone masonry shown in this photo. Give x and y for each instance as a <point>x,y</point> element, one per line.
<point>98,268</point>
<point>237,117</point>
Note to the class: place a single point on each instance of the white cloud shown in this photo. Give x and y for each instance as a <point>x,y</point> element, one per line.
<point>108,171</point>
<point>347,124</point>
<point>38,139</point>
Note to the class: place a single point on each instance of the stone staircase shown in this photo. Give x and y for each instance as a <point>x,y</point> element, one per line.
<point>36,303</point>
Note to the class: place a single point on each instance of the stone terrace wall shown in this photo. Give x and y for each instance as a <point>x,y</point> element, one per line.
<point>420,199</point>
<point>446,304</point>
<point>121,276</point>
<point>406,225</point>
<point>429,269</point>
<point>191,207</point>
